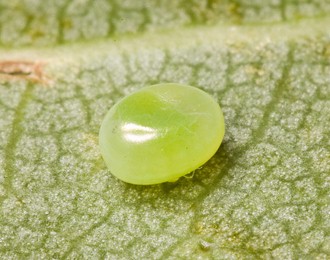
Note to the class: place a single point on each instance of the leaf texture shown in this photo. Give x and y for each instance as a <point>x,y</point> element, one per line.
<point>264,195</point>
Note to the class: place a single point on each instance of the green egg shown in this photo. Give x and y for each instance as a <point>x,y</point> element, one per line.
<point>161,133</point>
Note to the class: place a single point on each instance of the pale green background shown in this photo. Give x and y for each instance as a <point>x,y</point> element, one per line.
<point>265,194</point>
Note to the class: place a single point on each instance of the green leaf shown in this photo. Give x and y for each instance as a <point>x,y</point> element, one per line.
<point>265,194</point>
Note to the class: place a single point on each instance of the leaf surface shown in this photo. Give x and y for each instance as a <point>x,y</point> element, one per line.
<point>265,194</point>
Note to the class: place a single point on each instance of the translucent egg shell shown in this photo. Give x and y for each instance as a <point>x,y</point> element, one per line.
<point>161,133</point>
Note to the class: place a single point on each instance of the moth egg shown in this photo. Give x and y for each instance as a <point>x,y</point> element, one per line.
<point>160,133</point>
